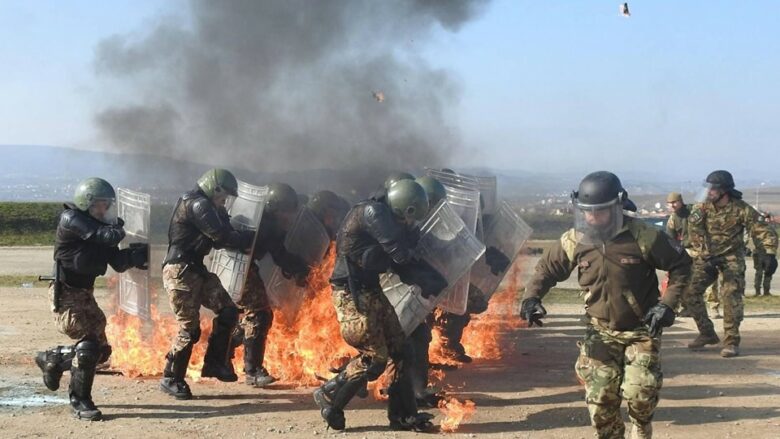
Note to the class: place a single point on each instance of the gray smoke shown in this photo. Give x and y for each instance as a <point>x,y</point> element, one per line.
<point>287,85</point>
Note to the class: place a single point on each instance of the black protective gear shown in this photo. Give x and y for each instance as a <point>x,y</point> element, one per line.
<point>770,264</point>
<point>139,255</point>
<point>270,240</point>
<point>452,326</point>
<point>368,224</point>
<point>532,311</point>
<point>53,363</point>
<point>333,396</point>
<point>658,317</point>
<point>496,260</point>
<point>173,382</point>
<point>420,340</point>
<point>84,247</point>
<point>254,351</point>
<point>82,375</point>
<point>402,404</point>
<point>216,362</point>
<point>721,179</point>
<point>198,225</point>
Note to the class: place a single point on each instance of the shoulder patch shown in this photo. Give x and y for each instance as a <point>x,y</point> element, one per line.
<point>697,214</point>
<point>569,243</point>
<point>644,235</point>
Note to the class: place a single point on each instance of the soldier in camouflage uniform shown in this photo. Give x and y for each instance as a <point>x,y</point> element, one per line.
<point>278,215</point>
<point>717,228</point>
<point>762,277</point>
<point>200,223</point>
<point>677,228</point>
<point>374,237</point>
<point>86,243</point>
<point>615,257</point>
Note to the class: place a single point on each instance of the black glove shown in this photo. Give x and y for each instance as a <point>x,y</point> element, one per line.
<point>770,264</point>
<point>139,255</point>
<point>119,222</point>
<point>659,316</point>
<point>497,261</point>
<point>532,311</point>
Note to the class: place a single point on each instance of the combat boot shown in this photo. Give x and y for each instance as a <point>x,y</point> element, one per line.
<point>173,382</point>
<point>333,396</point>
<point>216,363</point>
<point>704,340</point>
<point>729,351</point>
<point>82,376</point>
<point>53,363</point>
<point>256,374</point>
<point>402,408</point>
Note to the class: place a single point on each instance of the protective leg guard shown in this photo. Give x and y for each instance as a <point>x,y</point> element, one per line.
<point>334,395</point>
<point>82,376</point>
<point>256,374</point>
<point>175,370</point>
<point>53,363</point>
<point>402,404</point>
<point>216,363</point>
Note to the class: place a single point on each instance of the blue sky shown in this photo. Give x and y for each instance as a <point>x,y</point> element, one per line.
<point>679,88</point>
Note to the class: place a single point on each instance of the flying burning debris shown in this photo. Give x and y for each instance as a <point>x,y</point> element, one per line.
<point>624,10</point>
<point>379,96</point>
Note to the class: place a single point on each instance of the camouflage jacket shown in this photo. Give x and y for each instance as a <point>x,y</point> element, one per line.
<point>677,226</point>
<point>717,232</point>
<point>618,277</point>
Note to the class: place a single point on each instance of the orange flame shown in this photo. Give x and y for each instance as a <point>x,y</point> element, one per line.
<point>455,412</point>
<point>296,352</point>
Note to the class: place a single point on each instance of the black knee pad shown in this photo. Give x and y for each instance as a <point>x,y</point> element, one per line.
<point>375,368</point>
<point>105,353</point>
<point>87,354</point>
<point>227,317</point>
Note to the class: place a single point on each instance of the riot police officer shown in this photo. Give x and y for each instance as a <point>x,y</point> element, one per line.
<point>88,234</point>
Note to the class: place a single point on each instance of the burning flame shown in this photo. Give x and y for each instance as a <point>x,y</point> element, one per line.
<point>455,412</point>
<point>296,352</point>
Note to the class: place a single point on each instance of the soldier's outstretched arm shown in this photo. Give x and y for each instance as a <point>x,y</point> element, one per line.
<point>554,266</point>
<point>217,227</point>
<point>667,254</point>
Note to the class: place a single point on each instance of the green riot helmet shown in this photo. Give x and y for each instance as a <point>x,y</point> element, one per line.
<point>433,188</point>
<point>216,181</point>
<point>281,198</point>
<point>91,191</point>
<point>397,176</point>
<point>448,171</point>
<point>408,200</point>
<point>320,202</point>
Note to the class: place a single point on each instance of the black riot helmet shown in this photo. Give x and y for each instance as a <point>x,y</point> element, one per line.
<point>599,189</point>
<point>721,180</point>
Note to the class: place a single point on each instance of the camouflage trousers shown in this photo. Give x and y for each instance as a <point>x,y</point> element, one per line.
<point>712,295</point>
<point>79,316</point>
<point>732,270</point>
<point>620,364</point>
<point>188,289</point>
<point>372,328</point>
<point>257,314</point>
<point>761,279</point>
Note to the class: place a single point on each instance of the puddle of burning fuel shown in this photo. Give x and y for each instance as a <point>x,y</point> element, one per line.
<point>23,396</point>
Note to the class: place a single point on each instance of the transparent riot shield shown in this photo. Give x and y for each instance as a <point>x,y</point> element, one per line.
<point>135,209</point>
<point>231,266</point>
<point>463,197</point>
<point>488,190</point>
<point>309,240</point>
<point>505,235</point>
<point>448,246</point>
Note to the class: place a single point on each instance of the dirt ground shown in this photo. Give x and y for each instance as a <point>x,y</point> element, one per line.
<point>530,393</point>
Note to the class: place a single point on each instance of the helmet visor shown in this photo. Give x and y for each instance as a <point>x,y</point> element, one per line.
<point>103,209</point>
<point>598,223</point>
<point>709,192</point>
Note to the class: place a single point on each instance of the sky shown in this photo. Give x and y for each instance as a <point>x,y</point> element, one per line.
<point>676,90</point>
